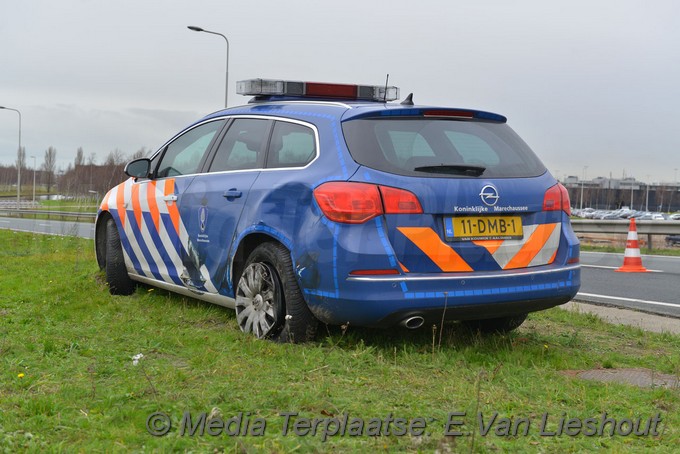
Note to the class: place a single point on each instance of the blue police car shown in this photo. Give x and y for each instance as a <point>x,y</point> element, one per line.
<point>331,203</point>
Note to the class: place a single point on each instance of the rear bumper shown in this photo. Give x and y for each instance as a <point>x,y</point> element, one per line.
<point>384,301</point>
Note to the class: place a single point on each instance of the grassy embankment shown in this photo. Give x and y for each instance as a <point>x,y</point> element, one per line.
<point>68,382</point>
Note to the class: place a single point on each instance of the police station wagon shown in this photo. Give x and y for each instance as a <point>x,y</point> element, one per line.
<point>330,203</point>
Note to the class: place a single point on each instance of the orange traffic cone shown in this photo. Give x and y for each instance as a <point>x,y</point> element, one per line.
<point>632,262</point>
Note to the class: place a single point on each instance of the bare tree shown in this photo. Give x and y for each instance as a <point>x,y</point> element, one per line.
<point>21,163</point>
<point>138,154</point>
<point>80,159</point>
<point>21,157</point>
<point>114,158</point>
<point>49,165</point>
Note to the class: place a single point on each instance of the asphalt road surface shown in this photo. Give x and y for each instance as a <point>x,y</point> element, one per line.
<point>48,226</point>
<point>657,291</point>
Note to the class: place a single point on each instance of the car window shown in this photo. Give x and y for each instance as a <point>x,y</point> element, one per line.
<point>473,149</point>
<point>407,144</point>
<point>242,146</point>
<point>401,146</point>
<point>292,145</point>
<point>183,155</point>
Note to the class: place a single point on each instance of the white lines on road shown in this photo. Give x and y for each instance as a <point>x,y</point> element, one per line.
<point>628,300</point>
<point>614,268</point>
<point>5,222</point>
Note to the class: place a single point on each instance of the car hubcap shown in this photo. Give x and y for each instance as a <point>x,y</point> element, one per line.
<point>256,300</point>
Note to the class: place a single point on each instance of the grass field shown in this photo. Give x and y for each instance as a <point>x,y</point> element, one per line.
<point>68,381</point>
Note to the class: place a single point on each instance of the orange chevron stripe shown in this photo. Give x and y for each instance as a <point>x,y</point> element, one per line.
<point>172,206</point>
<point>153,204</point>
<point>490,245</point>
<point>120,203</point>
<point>105,203</point>
<point>136,206</point>
<point>531,247</point>
<point>439,252</point>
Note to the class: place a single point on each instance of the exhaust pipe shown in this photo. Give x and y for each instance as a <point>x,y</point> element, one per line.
<point>414,322</point>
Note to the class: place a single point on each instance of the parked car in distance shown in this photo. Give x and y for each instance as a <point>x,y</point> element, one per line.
<point>328,203</point>
<point>673,240</point>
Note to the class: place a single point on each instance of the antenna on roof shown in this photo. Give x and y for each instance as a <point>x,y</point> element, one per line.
<point>387,80</point>
<point>408,101</point>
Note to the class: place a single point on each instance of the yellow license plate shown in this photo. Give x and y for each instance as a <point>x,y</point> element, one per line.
<point>484,228</point>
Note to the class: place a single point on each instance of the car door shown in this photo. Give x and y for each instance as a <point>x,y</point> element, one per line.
<point>212,204</point>
<point>155,231</point>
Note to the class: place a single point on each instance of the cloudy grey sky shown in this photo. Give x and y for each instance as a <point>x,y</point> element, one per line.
<point>585,83</point>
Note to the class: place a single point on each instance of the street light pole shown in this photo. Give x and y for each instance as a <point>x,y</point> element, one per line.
<point>647,198</point>
<point>632,180</point>
<point>582,182</point>
<point>33,179</point>
<point>226,78</point>
<point>18,160</point>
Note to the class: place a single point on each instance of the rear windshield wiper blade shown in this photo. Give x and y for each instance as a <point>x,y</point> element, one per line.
<point>453,169</point>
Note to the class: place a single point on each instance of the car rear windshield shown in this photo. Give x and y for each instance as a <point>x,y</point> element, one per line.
<point>440,148</point>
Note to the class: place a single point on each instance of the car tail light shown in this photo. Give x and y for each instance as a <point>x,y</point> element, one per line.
<point>399,201</point>
<point>557,198</point>
<point>355,203</point>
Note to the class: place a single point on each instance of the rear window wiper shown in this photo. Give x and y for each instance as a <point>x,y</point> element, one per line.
<point>453,169</point>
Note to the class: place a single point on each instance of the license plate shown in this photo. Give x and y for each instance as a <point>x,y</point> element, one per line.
<point>467,228</point>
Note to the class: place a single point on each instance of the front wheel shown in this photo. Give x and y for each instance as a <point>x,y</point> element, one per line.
<point>116,273</point>
<point>269,303</point>
<point>496,325</point>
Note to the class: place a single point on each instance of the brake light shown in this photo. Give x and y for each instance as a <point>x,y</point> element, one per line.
<point>449,113</point>
<point>399,201</point>
<point>356,203</point>
<point>557,198</point>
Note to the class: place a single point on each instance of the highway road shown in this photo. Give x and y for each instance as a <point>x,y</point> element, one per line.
<point>49,226</point>
<point>657,291</point>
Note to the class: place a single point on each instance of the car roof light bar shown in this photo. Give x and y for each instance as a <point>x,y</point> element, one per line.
<point>272,87</point>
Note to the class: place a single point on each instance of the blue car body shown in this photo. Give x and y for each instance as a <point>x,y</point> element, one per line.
<point>192,233</point>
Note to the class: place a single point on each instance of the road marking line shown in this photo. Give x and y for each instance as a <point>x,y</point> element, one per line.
<point>620,254</point>
<point>629,300</point>
<point>615,268</point>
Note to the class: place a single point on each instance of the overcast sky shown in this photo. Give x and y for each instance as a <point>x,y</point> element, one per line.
<point>585,83</point>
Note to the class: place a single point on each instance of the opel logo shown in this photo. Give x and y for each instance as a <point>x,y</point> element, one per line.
<point>489,195</point>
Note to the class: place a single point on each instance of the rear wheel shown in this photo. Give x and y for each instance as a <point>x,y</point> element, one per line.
<point>116,274</point>
<point>496,325</point>
<point>269,303</point>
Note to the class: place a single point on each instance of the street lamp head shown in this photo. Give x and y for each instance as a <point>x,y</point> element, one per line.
<point>194,28</point>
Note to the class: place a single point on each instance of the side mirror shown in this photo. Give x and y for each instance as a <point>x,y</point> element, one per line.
<point>139,168</point>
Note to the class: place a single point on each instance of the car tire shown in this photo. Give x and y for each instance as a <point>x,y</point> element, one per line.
<point>499,325</point>
<point>116,273</point>
<point>269,303</point>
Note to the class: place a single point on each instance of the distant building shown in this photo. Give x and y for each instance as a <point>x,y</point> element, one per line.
<point>612,193</point>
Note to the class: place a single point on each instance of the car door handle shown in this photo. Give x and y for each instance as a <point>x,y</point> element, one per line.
<point>232,194</point>
<point>170,198</point>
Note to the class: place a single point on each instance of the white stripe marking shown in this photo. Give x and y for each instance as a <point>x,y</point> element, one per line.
<point>629,300</point>
<point>615,268</point>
